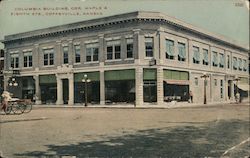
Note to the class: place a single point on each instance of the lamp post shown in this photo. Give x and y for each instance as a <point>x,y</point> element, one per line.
<point>237,89</point>
<point>86,80</point>
<point>205,76</point>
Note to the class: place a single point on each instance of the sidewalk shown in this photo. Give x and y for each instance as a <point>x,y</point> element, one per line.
<point>145,106</point>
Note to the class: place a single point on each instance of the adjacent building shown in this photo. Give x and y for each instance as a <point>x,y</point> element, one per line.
<point>134,58</point>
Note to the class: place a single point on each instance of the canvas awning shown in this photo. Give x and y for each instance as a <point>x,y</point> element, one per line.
<point>244,87</point>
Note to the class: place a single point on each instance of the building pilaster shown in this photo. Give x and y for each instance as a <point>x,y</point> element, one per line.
<point>139,87</point>
<point>160,92</point>
<point>38,90</point>
<point>59,90</point>
<point>5,82</point>
<point>102,87</point>
<point>161,46</point>
<point>58,53</point>
<point>71,89</point>
<point>70,53</point>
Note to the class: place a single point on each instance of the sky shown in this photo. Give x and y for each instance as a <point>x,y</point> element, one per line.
<point>229,18</point>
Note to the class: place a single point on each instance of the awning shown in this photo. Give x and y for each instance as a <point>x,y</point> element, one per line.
<point>177,82</point>
<point>244,87</point>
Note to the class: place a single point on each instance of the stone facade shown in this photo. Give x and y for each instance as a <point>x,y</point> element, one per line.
<point>136,26</point>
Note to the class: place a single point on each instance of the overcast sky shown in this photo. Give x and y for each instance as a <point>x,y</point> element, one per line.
<point>229,18</point>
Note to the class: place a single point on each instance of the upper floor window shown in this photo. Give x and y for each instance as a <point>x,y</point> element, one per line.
<point>77,53</point>
<point>14,60</point>
<point>149,46</point>
<point>48,56</point>
<point>65,54</point>
<point>235,64</point>
<point>240,64</point>
<point>245,65</point>
<point>215,59</point>
<point>169,49</point>
<point>129,42</point>
<point>113,50</point>
<point>215,82</point>
<point>205,57</point>
<point>196,55</point>
<point>182,51</point>
<point>228,61</point>
<point>27,59</point>
<point>222,61</point>
<point>92,52</point>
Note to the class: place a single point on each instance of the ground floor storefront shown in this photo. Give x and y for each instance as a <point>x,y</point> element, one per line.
<point>136,86</point>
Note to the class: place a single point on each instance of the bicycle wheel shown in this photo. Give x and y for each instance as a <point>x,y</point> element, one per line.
<point>28,108</point>
<point>8,110</point>
<point>17,109</point>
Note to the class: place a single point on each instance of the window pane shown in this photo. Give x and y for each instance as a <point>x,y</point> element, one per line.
<point>149,46</point>
<point>77,53</point>
<point>88,54</point>
<point>117,52</point>
<point>17,63</point>
<point>25,61</point>
<point>96,53</point>
<point>45,58</point>
<point>130,50</point>
<point>109,52</point>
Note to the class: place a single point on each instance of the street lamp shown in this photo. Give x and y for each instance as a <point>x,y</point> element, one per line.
<point>205,76</point>
<point>13,82</point>
<point>237,89</point>
<point>86,80</point>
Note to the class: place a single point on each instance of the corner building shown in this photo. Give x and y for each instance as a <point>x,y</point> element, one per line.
<point>134,58</point>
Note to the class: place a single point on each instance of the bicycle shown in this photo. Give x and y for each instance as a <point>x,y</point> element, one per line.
<point>14,107</point>
<point>26,105</point>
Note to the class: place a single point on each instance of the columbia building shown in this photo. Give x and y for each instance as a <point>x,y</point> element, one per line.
<point>138,58</point>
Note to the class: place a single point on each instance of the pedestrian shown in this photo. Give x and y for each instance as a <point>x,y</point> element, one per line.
<point>5,99</point>
<point>191,96</point>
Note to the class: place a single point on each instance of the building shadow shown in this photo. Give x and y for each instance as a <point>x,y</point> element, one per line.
<point>211,139</point>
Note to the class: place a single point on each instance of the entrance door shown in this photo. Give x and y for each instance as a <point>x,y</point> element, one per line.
<point>65,91</point>
<point>229,89</point>
<point>150,91</point>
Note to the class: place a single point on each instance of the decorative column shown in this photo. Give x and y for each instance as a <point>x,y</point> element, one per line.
<point>59,90</point>
<point>38,91</point>
<point>102,87</point>
<point>71,89</point>
<point>160,92</point>
<point>139,87</point>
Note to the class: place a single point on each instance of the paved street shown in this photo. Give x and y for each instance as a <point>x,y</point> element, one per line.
<point>216,131</point>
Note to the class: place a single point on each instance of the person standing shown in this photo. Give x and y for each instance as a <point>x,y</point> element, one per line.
<point>5,99</point>
<point>191,96</point>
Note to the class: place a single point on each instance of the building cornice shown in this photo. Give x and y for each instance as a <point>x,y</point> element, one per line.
<point>139,16</point>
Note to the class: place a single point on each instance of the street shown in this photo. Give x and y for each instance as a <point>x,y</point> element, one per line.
<point>216,131</point>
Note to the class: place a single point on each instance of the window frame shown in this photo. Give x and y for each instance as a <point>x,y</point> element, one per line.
<point>29,61</point>
<point>49,52</point>
<point>149,42</point>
